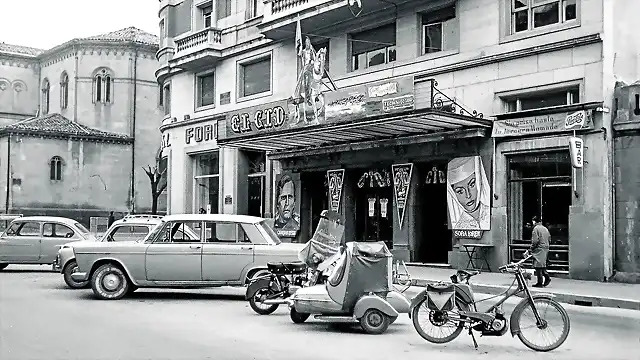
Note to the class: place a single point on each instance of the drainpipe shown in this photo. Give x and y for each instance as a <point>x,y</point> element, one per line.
<point>8,191</point>
<point>133,131</point>
<point>75,86</point>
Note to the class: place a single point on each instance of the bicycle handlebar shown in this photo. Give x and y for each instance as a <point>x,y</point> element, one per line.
<point>516,264</point>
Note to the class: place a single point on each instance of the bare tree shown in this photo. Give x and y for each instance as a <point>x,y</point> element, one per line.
<point>158,182</point>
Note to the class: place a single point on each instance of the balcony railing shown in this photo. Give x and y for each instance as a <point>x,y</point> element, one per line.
<point>278,6</point>
<point>206,38</point>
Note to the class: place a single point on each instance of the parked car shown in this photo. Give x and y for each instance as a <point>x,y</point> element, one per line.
<point>6,219</point>
<point>36,239</point>
<point>129,228</point>
<point>228,250</point>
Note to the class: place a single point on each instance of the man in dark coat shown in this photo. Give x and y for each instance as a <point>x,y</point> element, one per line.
<point>540,238</point>
<point>111,219</point>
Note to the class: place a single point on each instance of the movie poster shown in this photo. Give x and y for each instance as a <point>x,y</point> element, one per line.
<point>401,181</point>
<point>287,205</point>
<point>335,179</point>
<point>468,194</point>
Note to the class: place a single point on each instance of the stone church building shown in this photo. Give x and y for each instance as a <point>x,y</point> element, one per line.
<point>78,123</point>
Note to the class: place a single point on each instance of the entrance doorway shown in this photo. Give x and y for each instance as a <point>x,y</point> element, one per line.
<point>315,199</point>
<point>435,243</point>
<point>540,184</point>
<point>374,205</point>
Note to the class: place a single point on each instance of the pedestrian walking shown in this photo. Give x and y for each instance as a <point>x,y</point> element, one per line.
<point>540,239</point>
<point>111,219</point>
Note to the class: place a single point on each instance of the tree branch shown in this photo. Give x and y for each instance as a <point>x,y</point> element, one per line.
<point>161,189</point>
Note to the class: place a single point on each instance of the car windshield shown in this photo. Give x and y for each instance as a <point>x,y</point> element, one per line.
<point>156,230</point>
<point>272,234</point>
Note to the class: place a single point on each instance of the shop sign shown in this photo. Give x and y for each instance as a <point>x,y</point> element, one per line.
<point>335,181</point>
<point>543,124</point>
<point>199,133</point>
<point>166,140</point>
<point>361,101</point>
<point>401,181</point>
<point>576,149</point>
<point>329,107</point>
<point>467,234</point>
<point>287,205</point>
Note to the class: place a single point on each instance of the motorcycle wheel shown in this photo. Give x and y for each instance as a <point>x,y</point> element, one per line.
<point>298,318</point>
<point>375,322</point>
<point>436,318</point>
<point>545,306</point>
<point>258,306</point>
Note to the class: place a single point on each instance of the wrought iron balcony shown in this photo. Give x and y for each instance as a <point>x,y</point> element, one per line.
<point>197,47</point>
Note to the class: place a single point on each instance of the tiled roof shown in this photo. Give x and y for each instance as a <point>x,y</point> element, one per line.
<point>131,33</point>
<point>18,49</point>
<point>56,124</point>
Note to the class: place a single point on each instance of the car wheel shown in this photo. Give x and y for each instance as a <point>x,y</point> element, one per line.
<point>2,266</point>
<point>374,322</point>
<point>69,269</point>
<point>109,282</point>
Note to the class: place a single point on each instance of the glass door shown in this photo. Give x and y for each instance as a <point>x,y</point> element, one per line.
<point>374,206</point>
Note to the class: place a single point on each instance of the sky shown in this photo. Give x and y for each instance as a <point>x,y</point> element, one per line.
<point>44,24</point>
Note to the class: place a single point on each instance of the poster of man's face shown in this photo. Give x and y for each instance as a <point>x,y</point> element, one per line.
<point>287,219</point>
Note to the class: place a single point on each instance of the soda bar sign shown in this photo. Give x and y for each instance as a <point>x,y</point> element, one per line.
<point>575,120</point>
<point>576,148</point>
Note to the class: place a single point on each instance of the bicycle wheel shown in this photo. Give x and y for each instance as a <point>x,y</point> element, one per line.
<point>553,314</point>
<point>444,323</point>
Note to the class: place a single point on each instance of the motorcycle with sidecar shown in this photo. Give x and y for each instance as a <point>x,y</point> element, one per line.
<point>359,289</point>
<point>265,293</point>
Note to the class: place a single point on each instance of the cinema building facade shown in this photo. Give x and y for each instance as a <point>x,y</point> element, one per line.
<point>429,153</point>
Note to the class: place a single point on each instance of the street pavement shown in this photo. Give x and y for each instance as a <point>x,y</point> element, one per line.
<point>41,319</point>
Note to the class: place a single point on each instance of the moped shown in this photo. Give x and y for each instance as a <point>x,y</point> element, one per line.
<point>449,308</point>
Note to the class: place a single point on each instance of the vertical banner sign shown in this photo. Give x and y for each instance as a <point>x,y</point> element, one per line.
<point>576,149</point>
<point>335,179</point>
<point>401,181</point>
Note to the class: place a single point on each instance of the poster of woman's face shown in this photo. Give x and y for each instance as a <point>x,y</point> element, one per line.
<point>468,194</point>
<point>287,219</point>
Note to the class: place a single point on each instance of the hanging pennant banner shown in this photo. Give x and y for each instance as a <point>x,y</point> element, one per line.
<point>401,181</point>
<point>335,179</point>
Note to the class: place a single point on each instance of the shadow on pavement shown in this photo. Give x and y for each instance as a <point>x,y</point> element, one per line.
<point>26,271</point>
<point>168,296</point>
<point>322,326</point>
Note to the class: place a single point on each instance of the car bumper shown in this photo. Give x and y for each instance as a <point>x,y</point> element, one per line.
<point>80,276</point>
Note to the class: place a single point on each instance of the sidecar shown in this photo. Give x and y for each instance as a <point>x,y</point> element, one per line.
<point>359,289</point>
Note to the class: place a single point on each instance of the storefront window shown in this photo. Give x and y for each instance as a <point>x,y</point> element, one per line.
<point>257,179</point>
<point>540,184</point>
<point>207,183</point>
<point>374,205</point>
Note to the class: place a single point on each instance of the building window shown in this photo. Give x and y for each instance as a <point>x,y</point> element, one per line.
<point>257,180</point>
<point>545,99</point>
<point>534,14</point>
<point>46,88</point>
<point>162,32</point>
<point>205,89</point>
<point>373,47</point>
<point>55,168</point>
<point>166,90</point>
<point>207,183</point>
<point>540,184</point>
<point>434,26</point>
<point>223,9</point>
<point>163,167</point>
<point>252,9</point>
<point>206,16</point>
<point>255,77</point>
<point>102,87</point>
<point>64,90</point>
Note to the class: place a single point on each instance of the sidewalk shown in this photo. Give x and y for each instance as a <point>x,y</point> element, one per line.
<point>577,292</point>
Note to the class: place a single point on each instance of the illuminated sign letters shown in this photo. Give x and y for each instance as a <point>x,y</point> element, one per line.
<point>268,118</point>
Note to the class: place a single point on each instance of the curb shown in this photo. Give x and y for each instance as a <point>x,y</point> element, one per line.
<point>572,299</point>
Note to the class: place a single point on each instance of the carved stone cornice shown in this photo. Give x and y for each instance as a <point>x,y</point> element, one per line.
<point>91,47</point>
<point>18,61</point>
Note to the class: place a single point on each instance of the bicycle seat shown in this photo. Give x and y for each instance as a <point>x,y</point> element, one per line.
<point>469,273</point>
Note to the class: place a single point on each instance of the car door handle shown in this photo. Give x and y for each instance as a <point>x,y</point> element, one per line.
<point>246,247</point>
<point>195,247</point>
